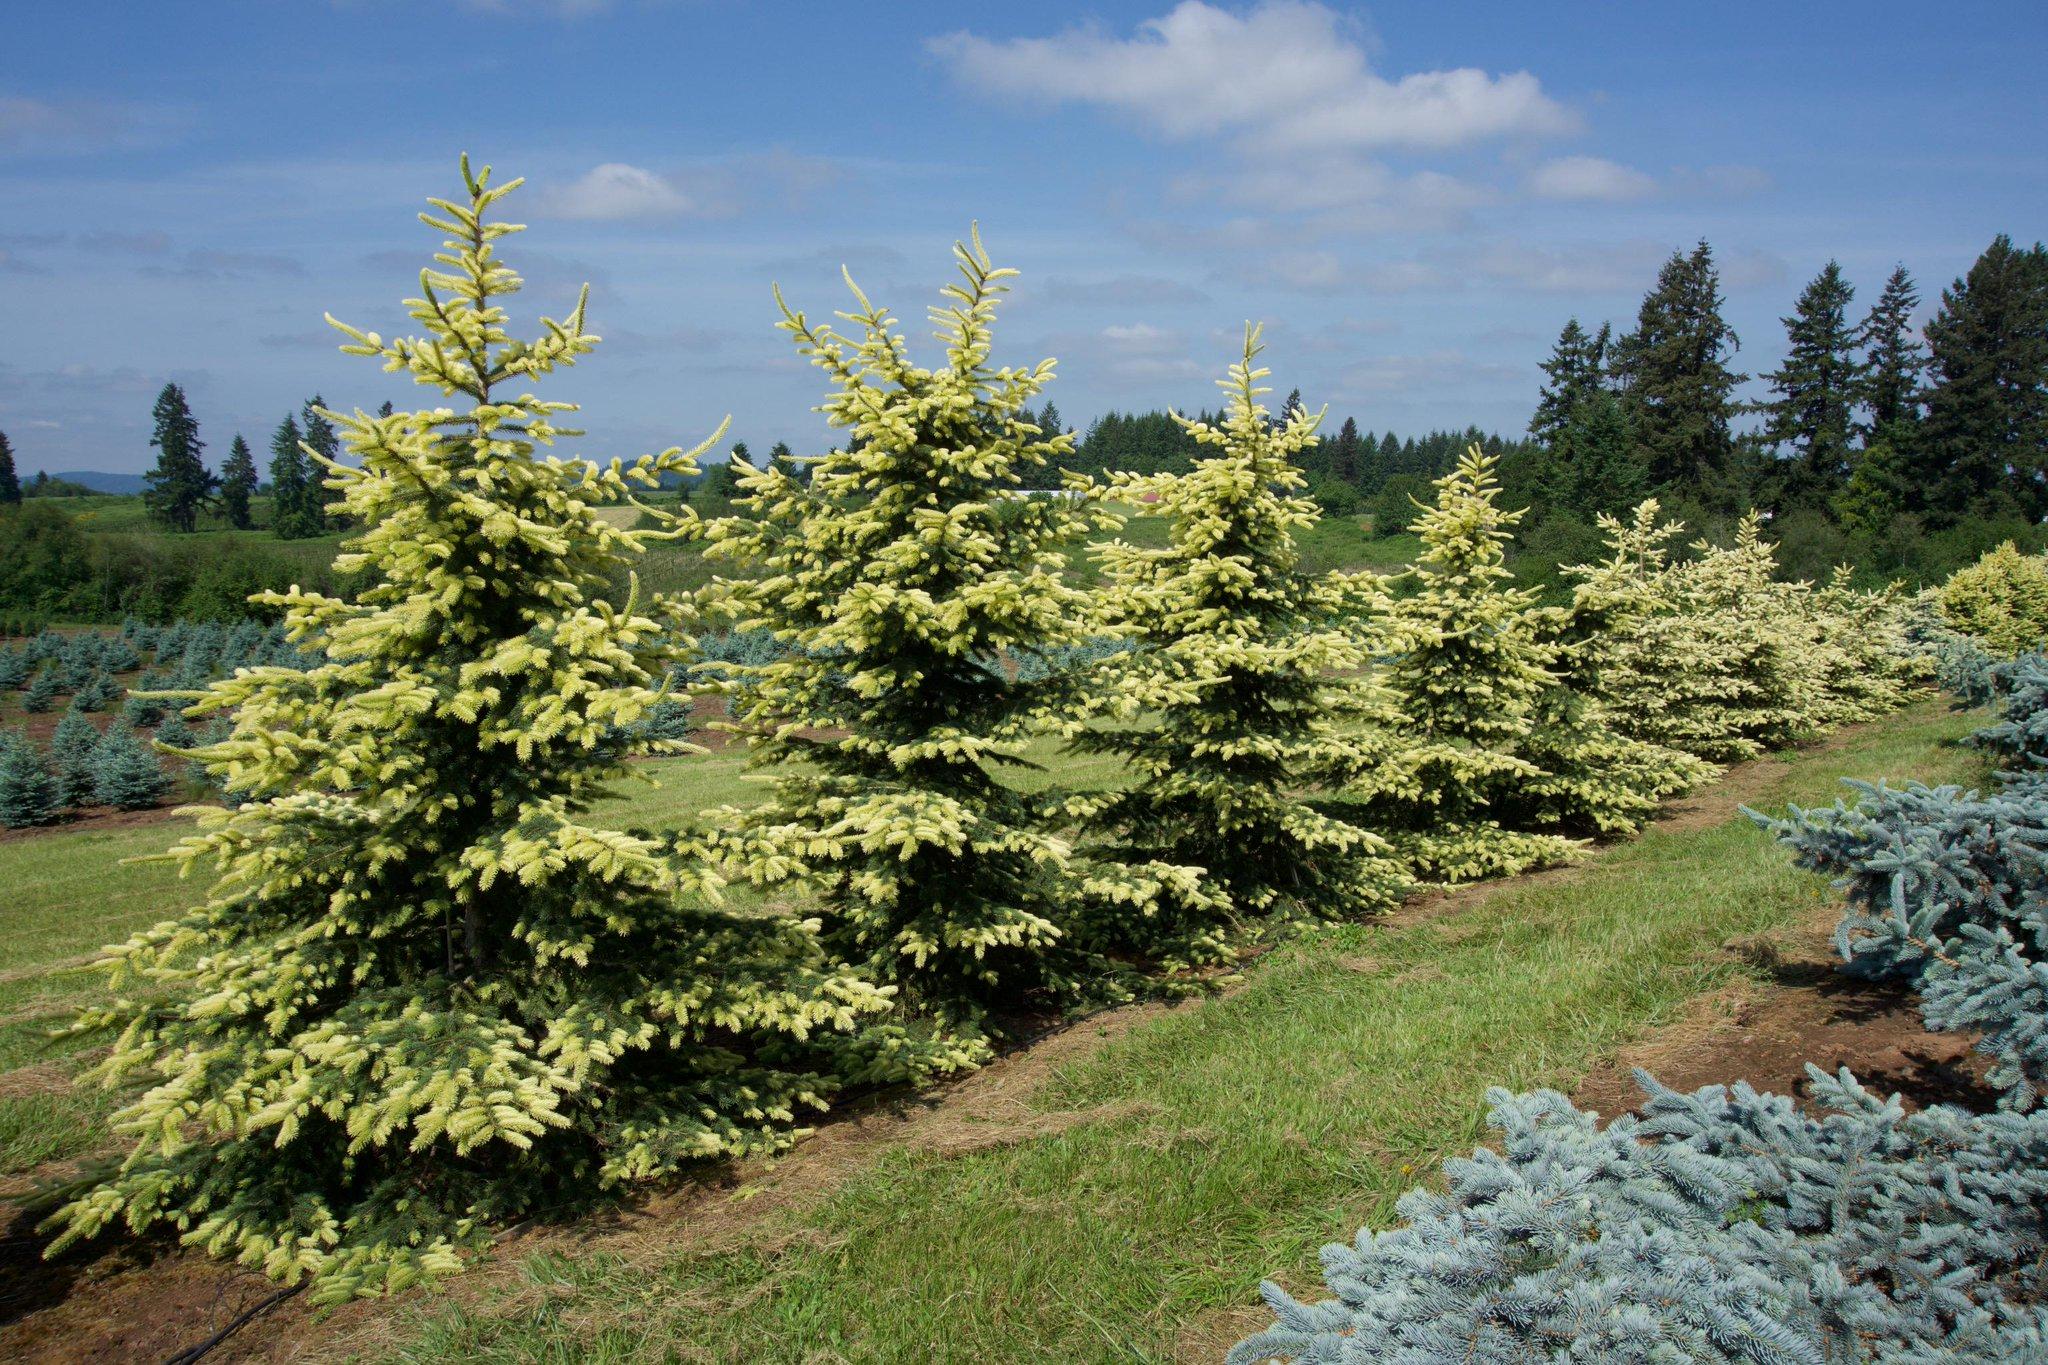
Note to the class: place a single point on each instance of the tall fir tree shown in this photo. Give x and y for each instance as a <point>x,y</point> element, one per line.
<point>783,459</point>
<point>238,484</point>
<point>1677,384</point>
<point>1575,371</point>
<point>290,483</point>
<point>1239,715</point>
<point>10,482</point>
<point>1593,463</point>
<point>322,448</point>
<point>1811,420</point>
<point>179,485</point>
<point>899,578</point>
<point>1983,448</point>
<point>1893,358</point>
<point>1468,667</point>
<point>1347,452</point>
<point>425,996</point>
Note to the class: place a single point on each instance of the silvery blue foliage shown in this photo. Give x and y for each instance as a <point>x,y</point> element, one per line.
<point>1964,669</point>
<point>2020,736</point>
<point>1948,891</point>
<point>1720,1226</point>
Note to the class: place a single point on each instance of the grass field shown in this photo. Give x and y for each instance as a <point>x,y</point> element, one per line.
<point>1210,1145</point>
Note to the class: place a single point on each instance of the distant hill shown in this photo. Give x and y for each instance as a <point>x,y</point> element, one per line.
<point>100,482</point>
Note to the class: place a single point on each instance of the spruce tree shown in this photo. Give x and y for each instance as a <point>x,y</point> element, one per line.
<point>424,996</point>
<point>1347,452</point>
<point>1576,370</point>
<point>1240,717</point>
<point>897,580</point>
<point>1595,467</point>
<point>783,459</point>
<point>1468,669</point>
<point>1893,358</point>
<point>322,447</point>
<point>125,774</point>
<point>1983,448</point>
<point>238,483</point>
<point>41,693</point>
<point>28,792</point>
<point>179,485</point>
<point>1811,419</point>
<point>10,482</point>
<point>290,478</point>
<point>1676,382</point>
<point>72,748</point>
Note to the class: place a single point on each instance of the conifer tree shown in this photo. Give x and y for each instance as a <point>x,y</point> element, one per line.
<point>1468,669</point>
<point>41,693</point>
<point>425,996</point>
<point>28,793</point>
<point>1817,388</point>
<point>10,482</point>
<point>1599,777</point>
<point>782,458</point>
<point>1347,452</point>
<point>896,579</point>
<point>179,485</point>
<point>1892,355</point>
<point>1576,370</point>
<point>1231,676</point>
<point>1594,466</point>
<point>125,774</point>
<point>1983,447</point>
<point>1676,382</point>
<point>72,748</point>
<point>290,483</point>
<point>237,483</point>
<point>322,447</point>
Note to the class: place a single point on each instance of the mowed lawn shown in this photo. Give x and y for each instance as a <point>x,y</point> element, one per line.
<point>1206,1147</point>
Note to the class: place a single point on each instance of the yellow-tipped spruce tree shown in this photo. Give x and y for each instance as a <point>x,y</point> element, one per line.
<point>899,578</point>
<point>424,995</point>
<point>1233,677</point>
<point>1469,667</point>
<point>1598,776</point>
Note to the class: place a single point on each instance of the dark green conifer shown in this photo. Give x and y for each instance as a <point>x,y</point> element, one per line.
<point>180,484</point>
<point>1676,382</point>
<point>1983,448</point>
<point>237,483</point>
<point>1810,420</point>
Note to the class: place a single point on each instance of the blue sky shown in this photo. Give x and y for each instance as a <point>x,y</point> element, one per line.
<point>1413,197</point>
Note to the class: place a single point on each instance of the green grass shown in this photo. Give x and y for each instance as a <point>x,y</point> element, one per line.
<point>1237,1134</point>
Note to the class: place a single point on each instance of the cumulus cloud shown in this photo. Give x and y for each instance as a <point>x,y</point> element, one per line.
<point>1286,76</point>
<point>1589,178</point>
<point>613,191</point>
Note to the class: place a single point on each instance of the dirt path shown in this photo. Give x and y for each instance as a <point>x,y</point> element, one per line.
<point>125,1302</point>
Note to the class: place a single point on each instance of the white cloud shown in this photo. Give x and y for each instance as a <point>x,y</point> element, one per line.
<point>1284,76</point>
<point>615,190</point>
<point>1589,177</point>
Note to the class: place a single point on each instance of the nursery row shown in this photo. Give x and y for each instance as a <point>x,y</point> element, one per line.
<point>427,996</point>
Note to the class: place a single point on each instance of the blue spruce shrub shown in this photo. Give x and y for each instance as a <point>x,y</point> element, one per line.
<point>28,793</point>
<point>125,773</point>
<point>41,693</point>
<point>1720,1226</point>
<point>72,748</point>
